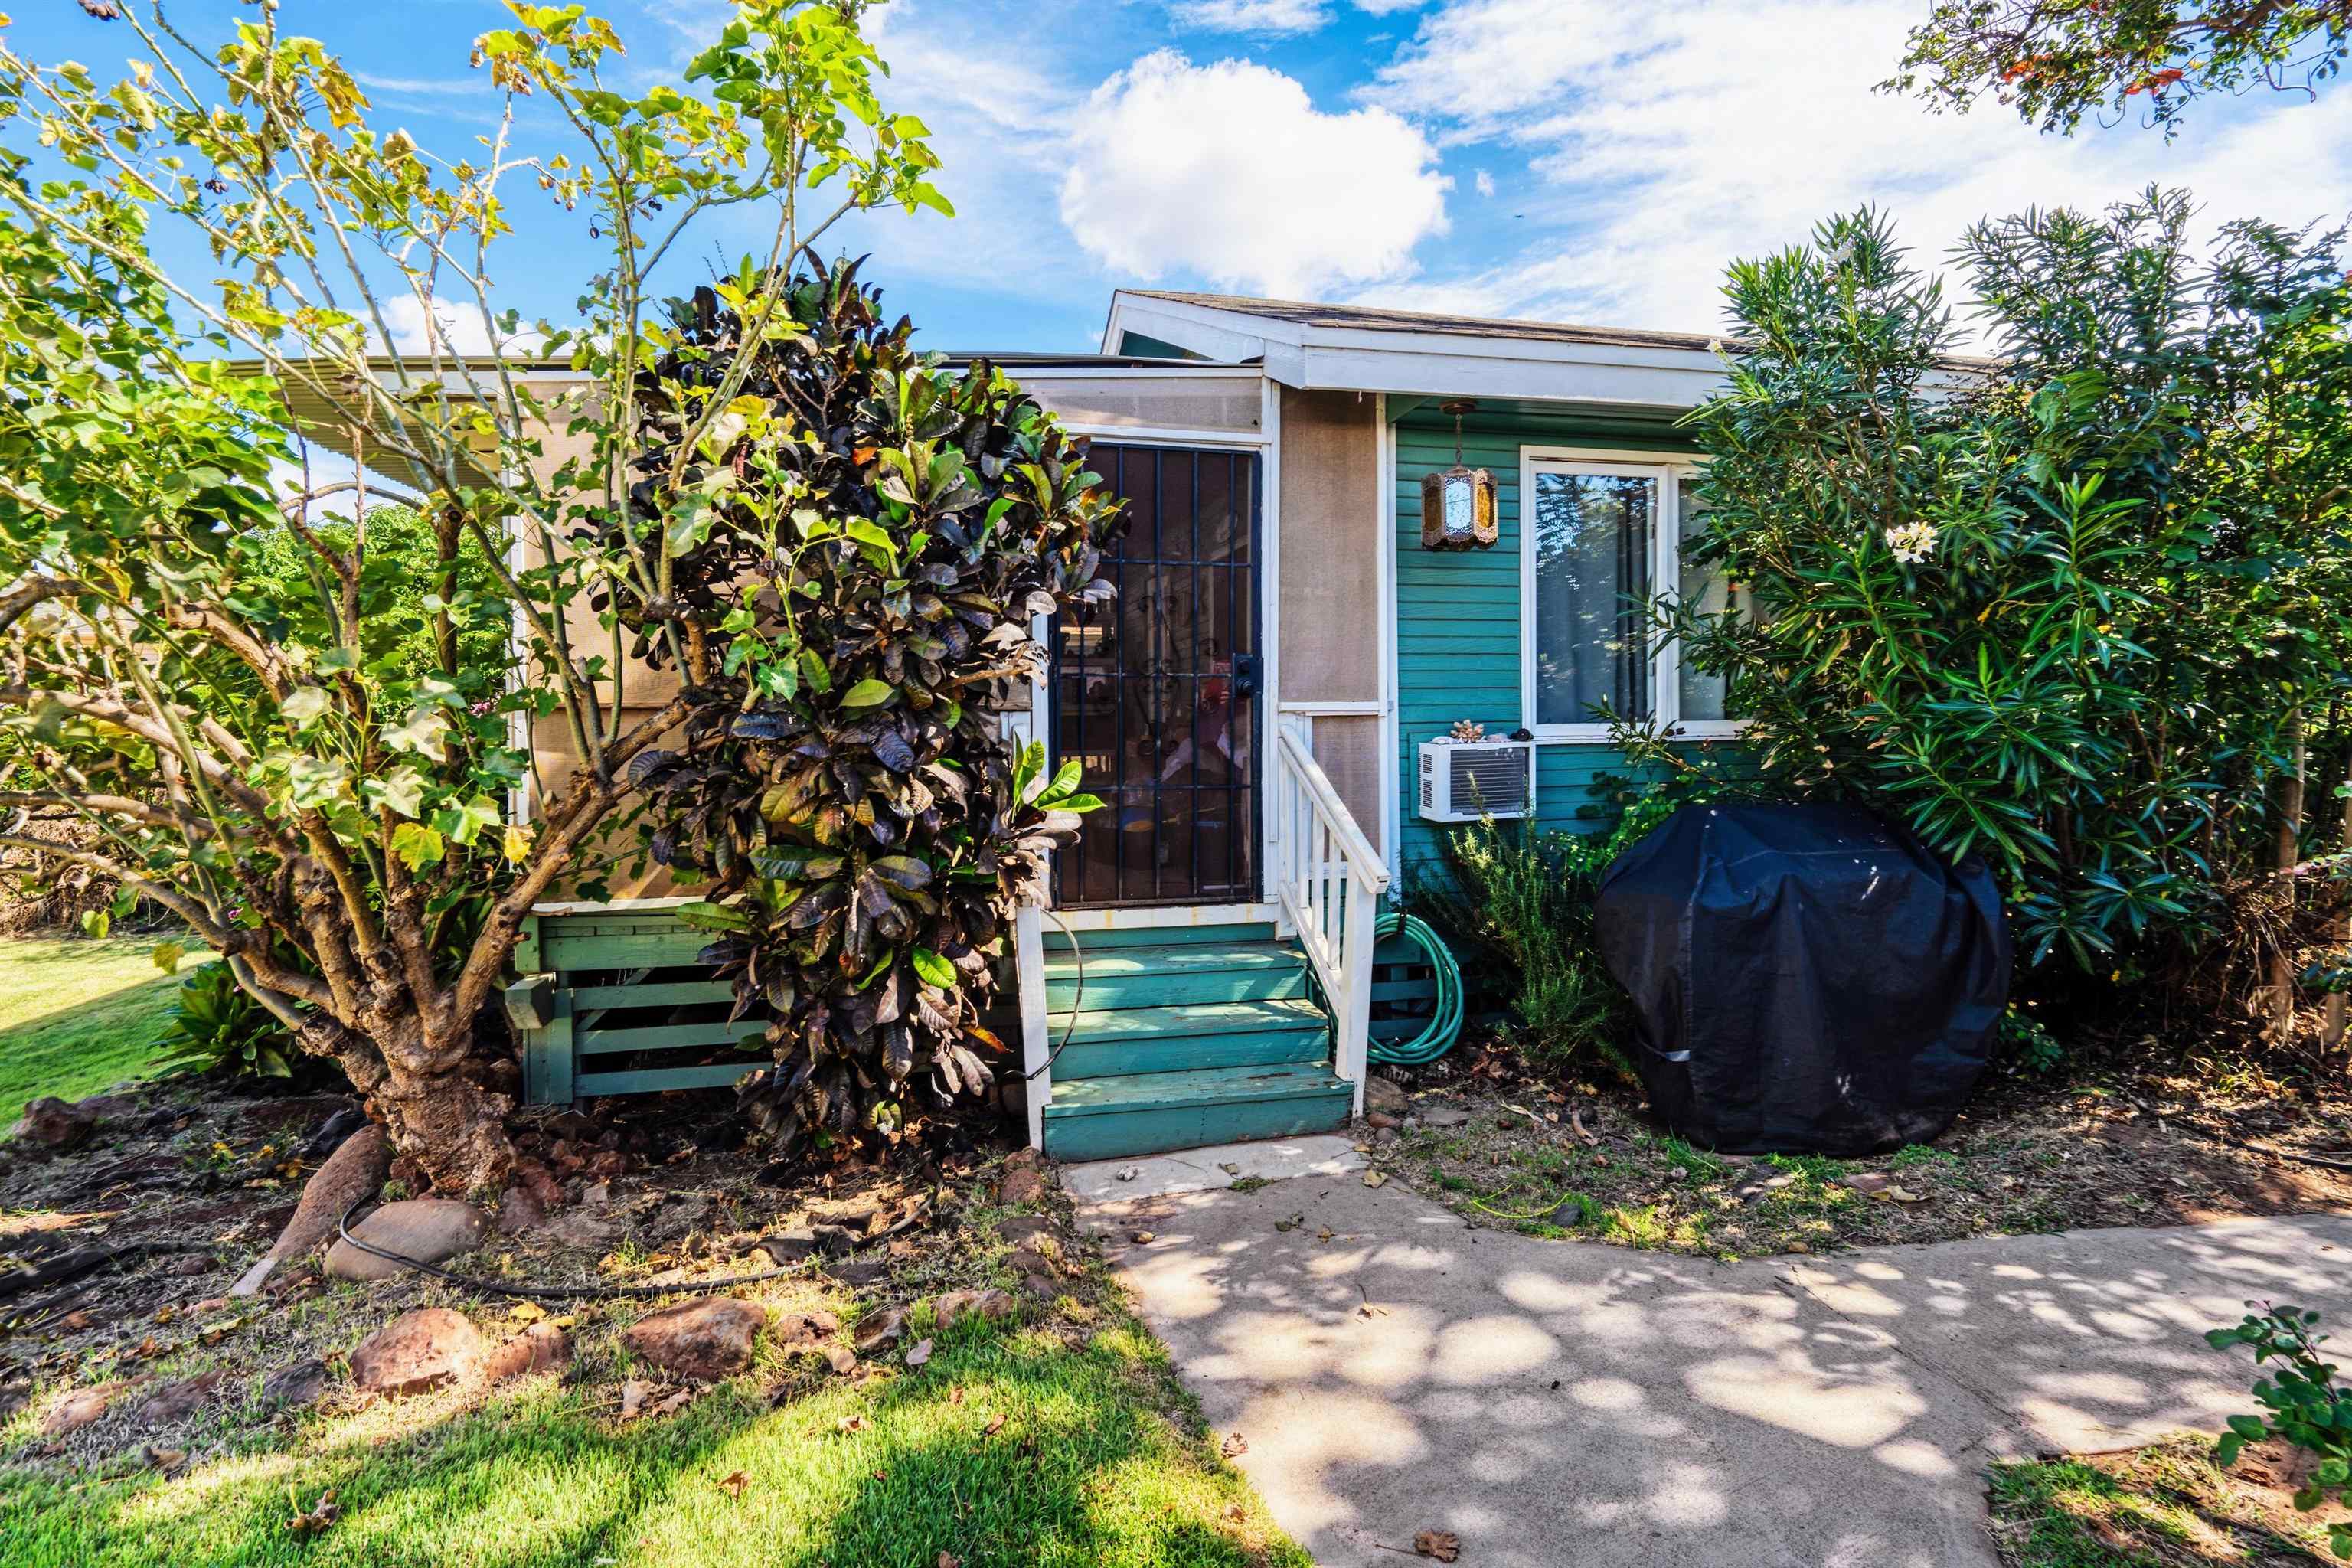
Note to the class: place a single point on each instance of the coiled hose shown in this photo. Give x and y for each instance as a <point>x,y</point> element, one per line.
<point>1444,1025</point>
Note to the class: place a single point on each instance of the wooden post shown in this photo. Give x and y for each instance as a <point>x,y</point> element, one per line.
<point>1361,935</point>
<point>2288,855</point>
<point>1029,975</point>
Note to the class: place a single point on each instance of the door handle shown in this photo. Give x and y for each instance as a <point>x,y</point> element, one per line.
<point>1245,675</point>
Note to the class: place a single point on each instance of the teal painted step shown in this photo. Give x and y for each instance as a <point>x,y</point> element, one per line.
<point>1180,1039</point>
<point>1093,942</point>
<point>1119,977</point>
<point>1149,1113</point>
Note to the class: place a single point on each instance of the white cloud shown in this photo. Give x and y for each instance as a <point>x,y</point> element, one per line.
<point>463,329</point>
<point>1666,140</point>
<point>1387,7</point>
<point>1250,16</point>
<point>1485,184</point>
<point>1228,172</point>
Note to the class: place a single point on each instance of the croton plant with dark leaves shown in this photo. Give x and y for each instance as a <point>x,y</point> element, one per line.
<point>866,536</point>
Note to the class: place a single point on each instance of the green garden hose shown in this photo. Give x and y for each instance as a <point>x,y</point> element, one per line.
<point>1446,1019</point>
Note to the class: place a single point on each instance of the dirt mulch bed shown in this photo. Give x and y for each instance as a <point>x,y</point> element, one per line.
<point>1508,1150</point>
<point>210,1179</point>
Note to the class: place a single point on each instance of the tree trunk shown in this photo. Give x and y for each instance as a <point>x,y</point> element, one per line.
<point>453,1127</point>
<point>2339,1005</point>
<point>2289,855</point>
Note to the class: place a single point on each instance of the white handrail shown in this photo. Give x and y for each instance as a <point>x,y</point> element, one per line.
<point>1328,879</point>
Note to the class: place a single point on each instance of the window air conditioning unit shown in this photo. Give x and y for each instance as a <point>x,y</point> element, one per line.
<point>1462,781</point>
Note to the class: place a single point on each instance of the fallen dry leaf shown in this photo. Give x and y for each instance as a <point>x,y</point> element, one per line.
<point>1142,1238</point>
<point>1437,1543</point>
<point>166,1459</point>
<point>1374,1178</point>
<point>1905,1195</point>
<point>1326,1234</point>
<point>1236,1512</point>
<point>1368,1311</point>
<point>633,1397</point>
<point>526,1311</point>
<point>317,1517</point>
<point>1293,1223</point>
<point>671,1405</point>
<point>1576,1122</point>
<point>996,1425</point>
<point>948,1560</point>
<point>1234,1446</point>
<point>955,1393</point>
<point>919,1353</point>
<point>850,1423</point>
<point>733,1485</point>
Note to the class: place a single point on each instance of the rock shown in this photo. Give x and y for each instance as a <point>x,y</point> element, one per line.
<point>543,1347</point>
<point>1867,1181</point>
<point>579,1228</point>
<point>1021,1185</point>
<point>190,1267</point>
<point>861,1272</point>
<point>1442,1117</point>
<point>520,1211</point>
<point>296,1386</point>
<point>597,1193</point>
<point>50,1124</point>
<point>426,1229</point>
<point>878,1328</point>
<point>807,1328</point>
<point>1041,1287</point>
<point>1018,1228</point>
<point>178,1401</point>
<point>416,1351</point>
<point>700,1340</point>
<point>1378,1119</point>
<point>82,1406</point>
<point>1382,1096</point>
<point>955,1306</point>
<point>351,1172</point>
<point>1026,1261</point>
<point>115,1105</point>
<point>334,1133</point>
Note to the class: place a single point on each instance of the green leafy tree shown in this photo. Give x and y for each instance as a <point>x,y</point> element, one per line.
<point>2056,61</point>
<point>881,531</point>
<point>2085,609</point>
<point>261,749</point>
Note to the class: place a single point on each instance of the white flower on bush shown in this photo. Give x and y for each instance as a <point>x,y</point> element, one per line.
<point>1913,542</point>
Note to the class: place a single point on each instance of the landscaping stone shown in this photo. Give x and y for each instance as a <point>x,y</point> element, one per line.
<point>115,1105</point>
<point>543,1347</point>
<point>178,1401</point>
<point>1038,1285</point>
<point>297,1385</point>
<point>1867,1181</point>
<point>954,1306</point>
<point>1382,1096</point>
<point>1024,1182</point>
<point>50,1124</point>
<point>82,1406</point>
<point>429,1230</point>
<point>700,1340</point>
<point>1381,1119</point>
<point>520,1211</point>
<point>416,1351</point>
<point>861,1272</point>
<point>1026,1261</point>
<point>191,1265</point>
<point>1018,1228</point>
<point>581,1228</point>
<point>351,1172</point>
<point>807,1328</point>
<point>878,1328</point>
<point>1439,1116</point>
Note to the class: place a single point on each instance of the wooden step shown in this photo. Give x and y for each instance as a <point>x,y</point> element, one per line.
<point>1113,979</point>
<point>1150,1113</point>
<point>1180,1039</point>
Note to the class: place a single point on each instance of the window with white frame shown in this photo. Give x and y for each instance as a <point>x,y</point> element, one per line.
<point>1601,532</point>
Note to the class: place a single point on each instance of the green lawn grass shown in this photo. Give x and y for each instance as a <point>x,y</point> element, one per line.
<point>1010,1447</point>
<point>2167,1503</point>
<point>76,1015</point>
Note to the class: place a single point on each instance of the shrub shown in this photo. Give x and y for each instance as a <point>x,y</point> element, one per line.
<point>879,532</point>
<point>216,1030</point>
<point>2305,1405</point>
<point>2084,610</point>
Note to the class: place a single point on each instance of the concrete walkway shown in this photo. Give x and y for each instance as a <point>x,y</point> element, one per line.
<point>1556,1403</point>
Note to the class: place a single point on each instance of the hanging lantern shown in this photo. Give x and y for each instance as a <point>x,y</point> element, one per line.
<point>1457,504</point>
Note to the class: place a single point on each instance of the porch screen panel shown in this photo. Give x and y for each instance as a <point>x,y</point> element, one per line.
<point>1151,692</point>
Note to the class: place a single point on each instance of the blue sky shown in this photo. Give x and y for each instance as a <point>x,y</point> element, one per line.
<point>1577,160</point>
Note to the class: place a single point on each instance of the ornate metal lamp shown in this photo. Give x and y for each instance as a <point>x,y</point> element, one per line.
<point>1457,504</point>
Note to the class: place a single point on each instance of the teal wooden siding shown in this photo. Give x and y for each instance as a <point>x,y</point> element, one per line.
<point>1459,613</point>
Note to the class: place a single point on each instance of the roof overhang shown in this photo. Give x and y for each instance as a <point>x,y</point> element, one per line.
<point>1428,364</point>
<point>321,406</point>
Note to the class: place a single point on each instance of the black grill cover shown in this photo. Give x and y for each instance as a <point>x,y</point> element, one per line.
<point>1809,979</point>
